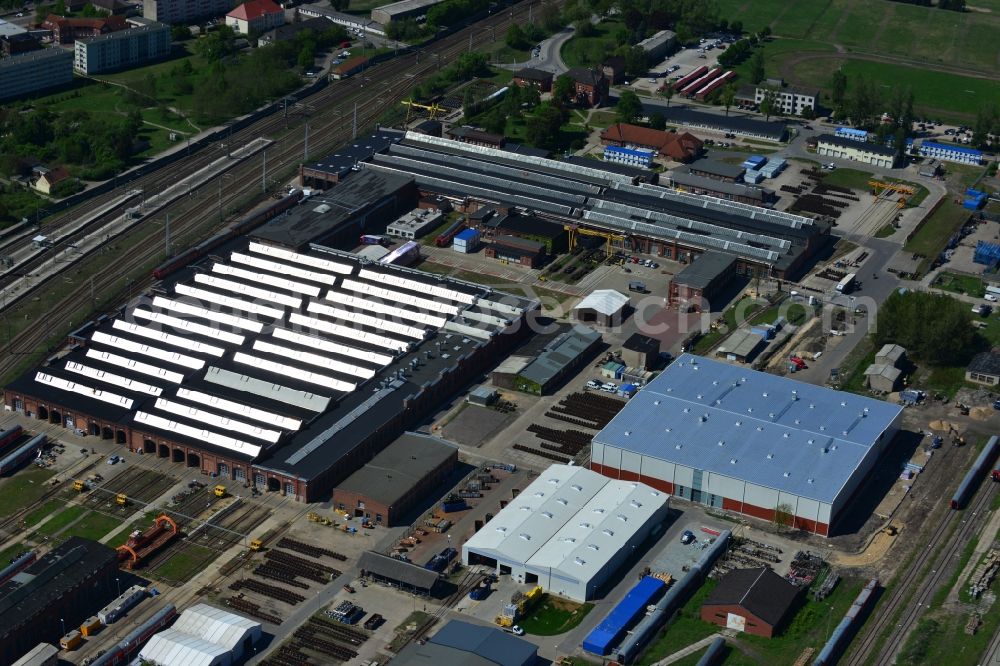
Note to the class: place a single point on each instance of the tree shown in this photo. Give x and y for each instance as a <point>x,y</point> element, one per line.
<point>495,121</point>
<point>629,108</point>
<point>340,5</point>
<point>551,17</point>
<point>728,96</point>
<point>986,118</point>
<point>636,60</point>
<point>657,121</point>
<point>515,38</point>
<point>807,112</point>
<point>934,328</point>
<point>757,67</point>
<point>784,515</point>
<point>765,31</point>
<point>736,27</point>
<point>563,90</point>
<point>543,130</point>
<point>59,9</point>
<point>669,94</point>
<point>838,88</point>
<point>767,105</point>
<point>306,58</point>
<point>180,33</point>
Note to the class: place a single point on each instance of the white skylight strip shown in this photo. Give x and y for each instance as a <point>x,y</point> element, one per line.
<point>191,327</point>
<point>347,332</point>
<point>140,348</point>
<point>414,285</point>
<point>205,313</point>
<point>207,436</point>
<point>294,373</point>
<point>175,340</point>
<point>247,290</point>
<point>314,359</point>
<point>366,320</point>
<point>391,310</point>
<point>229,302</point>
<point>271,280</point>
<point>282,269</point>
<point>283,422</point>
<point>332,347</point>
<point>135,366</point>
<point>111,378</point>
<point>399,297</point>
<point>305,259</point>
<point>73,387</point>
<point>217,420</point>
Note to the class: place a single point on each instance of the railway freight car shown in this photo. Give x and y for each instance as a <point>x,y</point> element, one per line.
<point>141,545</point>
<point>128,648</point>
<point>975,473</point>
<point>245,225</point>
<point>9,436</point>
<point>22,454</point>
<point>838,639</point>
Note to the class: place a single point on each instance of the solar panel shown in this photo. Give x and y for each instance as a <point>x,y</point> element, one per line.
<point>283,269</point>
<point>342,331</point>
<point>229,302</point>
<point>332,347</point>
<point>80,389</point>
<point>205,313</point>
<point>366,320</point>
<point>274,281</point>
<point>391,310</point>
<point>283,422</point>
<point>417,286</point>
<point>399,297</point>
<point>207,436</point>
<point>136,366</point>
<point>190,327</point>
<point>209,418</point>
<point>170,339</point>
<point>314,359</point>
<point>111,378</point>
<point>294,373</point>
<point>247,290</point>
<point>305,259</point>
<point>124,344</point>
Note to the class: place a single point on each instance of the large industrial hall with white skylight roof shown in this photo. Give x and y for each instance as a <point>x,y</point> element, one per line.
<point>747,441</point>
<point>569,531</point>
<point>286,370</point>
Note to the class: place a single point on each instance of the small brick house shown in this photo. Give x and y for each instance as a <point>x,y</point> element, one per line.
<point>613,69</point>
<point>529,76</point>
<point>754,601</point>
<point>590,86</point>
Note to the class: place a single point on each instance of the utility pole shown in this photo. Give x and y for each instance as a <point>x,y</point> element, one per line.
<point>263,173</point>
<point>166,241</point>
<point>529,13</point>
<point>354,124</point>
<point>220,198</point>
<point>305,145</point>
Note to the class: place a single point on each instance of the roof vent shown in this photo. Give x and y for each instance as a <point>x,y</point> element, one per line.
<point>585,526</point>
<point>610,533</point>
<point>656,402</point>
<point>704,417</point>
<point>539,494</point>
<point>635,504</point>
<point>812,406</point>
<point>786,474</point>
<point>739,423</point>
<point>593,546</point>
<point>599,510</point>
<point>577,487</point>
<point>764,394</point>
<point>785,435</point>
<point>722,442</point>
<point>579,561</point>
<point>822,427</point>
<point>798,422</point>
<point>569,540</point>
<point>547,514</point>
<point>760,428</point>
<point>715,382</point>
<point>622,517</point>
<point>524,507</point>
<point>864,411</point>
<point>833,448</point>
<point>554,482</point>
<point>679,447</point>
<point>810,480</point>
<point>750,410</point>
<point>666,430</point>
<point>687,410</point>
<point>795,395</point>
<point>810,441</point>
<point>562,500</point>
<point>628,432</point>
<point>502,530</point>
<point>732,461</point>
<point>700,396</point>
<point>843,403</point>
<point>824,450</point>
<point>770,456</point>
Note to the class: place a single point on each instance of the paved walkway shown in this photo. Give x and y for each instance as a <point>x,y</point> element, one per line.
<point>690,649</point>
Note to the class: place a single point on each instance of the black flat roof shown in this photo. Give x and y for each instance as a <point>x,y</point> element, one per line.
<point>717,168</point>
<point>358,150</point>
<point>700,273</point>
<point>46,581</point>
<point>320,216</point>
<point>678,114</point>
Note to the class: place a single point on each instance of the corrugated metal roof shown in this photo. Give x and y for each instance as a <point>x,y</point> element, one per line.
<point>604,301</point>
<point>570,520</point>
<point>216,625</point>
<point>741,343</point>
<point>172,646</point>
<point>765,429</point>
<point>563,351</point>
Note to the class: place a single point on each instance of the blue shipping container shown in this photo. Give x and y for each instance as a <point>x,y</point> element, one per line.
<point>610,631</point>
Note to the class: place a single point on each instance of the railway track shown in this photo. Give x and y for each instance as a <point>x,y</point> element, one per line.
<point>331,125</point>
<point>874,647</point>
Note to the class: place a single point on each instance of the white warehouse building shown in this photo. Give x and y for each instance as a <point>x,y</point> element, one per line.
<point>747,442</point>
<point>569,530</point>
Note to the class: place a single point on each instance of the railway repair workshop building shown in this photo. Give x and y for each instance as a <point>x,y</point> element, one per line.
<point>748,442</point>
<point>282,369</point>
<point>629,216</point>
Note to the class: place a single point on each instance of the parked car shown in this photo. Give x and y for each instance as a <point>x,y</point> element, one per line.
<point>594,384</point>
<point>991,298</point>
<point>517,631</point>
<point>687,536</point>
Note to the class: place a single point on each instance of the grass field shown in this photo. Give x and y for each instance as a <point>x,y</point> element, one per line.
<point>94,526</point>
<point>61,520</point>
<point>684,629</point>
<point>961,284</point>
<point>22,489</point>
<point>44,510</point>
<point>554,616</point>
<point>931,238</point>
<point>590,51</point>
<point>185,565</point>
<point>916,36</point>
<point>8,553</point>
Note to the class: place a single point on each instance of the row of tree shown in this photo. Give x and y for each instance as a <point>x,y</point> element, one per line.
<point>466,67</point>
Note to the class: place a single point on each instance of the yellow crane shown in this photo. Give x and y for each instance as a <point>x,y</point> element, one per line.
<point>880,186</point>
<point>433,110</point>
<point>610,238</point>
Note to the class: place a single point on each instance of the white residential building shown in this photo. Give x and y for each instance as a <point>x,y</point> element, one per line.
<point>34,71</point>
<point>790,100</point>
<point>122,49</point>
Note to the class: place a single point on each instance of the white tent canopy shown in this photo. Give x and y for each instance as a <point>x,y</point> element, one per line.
<point>202,636</point>
<point>603,301</point>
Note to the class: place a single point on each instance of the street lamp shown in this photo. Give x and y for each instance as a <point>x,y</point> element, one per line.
<point>119,581</point>
<point>63,622</point>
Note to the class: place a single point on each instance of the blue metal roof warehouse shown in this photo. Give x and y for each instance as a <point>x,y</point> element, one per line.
<point>610,631</point>
<point>747,441</point>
